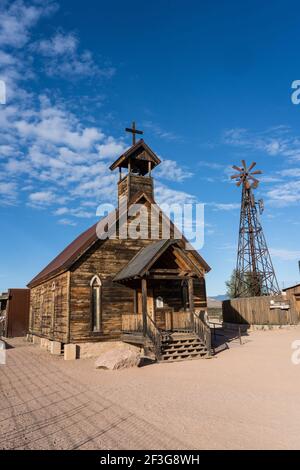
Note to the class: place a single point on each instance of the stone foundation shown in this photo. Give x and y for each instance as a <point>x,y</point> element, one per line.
<point>36,340</point>
<point>244,328</point>
<point>55,348</point>
<point>70,352</point>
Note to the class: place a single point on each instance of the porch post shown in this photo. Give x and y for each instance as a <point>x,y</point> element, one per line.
<point>191,300</point>
<point>144,305</point>
<point>135,309</point>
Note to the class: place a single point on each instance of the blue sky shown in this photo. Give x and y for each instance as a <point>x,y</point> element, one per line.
<point>208,82</point>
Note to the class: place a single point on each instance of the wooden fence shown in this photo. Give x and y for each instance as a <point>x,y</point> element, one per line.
<point>267,310</point>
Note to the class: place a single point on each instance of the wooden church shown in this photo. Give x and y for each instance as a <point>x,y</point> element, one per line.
<point>144,291</point>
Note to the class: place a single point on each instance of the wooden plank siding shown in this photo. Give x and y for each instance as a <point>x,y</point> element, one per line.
<point>257,311</point>
<point>49,319</point>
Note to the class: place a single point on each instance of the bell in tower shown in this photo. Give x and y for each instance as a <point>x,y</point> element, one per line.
<point>138,162</point>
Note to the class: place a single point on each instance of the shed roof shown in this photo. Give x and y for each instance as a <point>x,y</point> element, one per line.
<point>291,287</point>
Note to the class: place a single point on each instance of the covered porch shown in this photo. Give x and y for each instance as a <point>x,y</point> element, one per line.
<point>162,277</point>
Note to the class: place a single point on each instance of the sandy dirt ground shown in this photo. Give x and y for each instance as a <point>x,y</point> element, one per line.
<point>247,397</point>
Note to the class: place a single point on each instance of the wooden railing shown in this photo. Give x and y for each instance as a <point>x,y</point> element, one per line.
<point>132,323</point>
<point>178,320</point>
<point>202,330</point>
<point>154,335</point>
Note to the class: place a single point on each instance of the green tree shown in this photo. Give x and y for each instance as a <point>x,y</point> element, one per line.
<point>230,285</point>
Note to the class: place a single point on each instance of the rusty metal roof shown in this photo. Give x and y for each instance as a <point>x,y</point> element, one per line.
<point>67,256</point>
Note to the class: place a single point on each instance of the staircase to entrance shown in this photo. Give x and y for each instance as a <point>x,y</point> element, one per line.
<point>192,341</point>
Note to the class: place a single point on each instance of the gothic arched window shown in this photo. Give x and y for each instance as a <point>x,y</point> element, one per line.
<point>96,303</point>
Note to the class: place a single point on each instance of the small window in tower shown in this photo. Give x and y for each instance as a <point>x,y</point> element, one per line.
<point>159,302</point>
<point>96,303</point>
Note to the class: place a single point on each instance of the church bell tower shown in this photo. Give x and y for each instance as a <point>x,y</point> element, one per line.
<point>138,162</point>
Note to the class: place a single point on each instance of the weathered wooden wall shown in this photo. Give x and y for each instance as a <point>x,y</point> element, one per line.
<point>256,311</point>
<point>293,294</point>
<point>49,308</point>
<point>105,259</point>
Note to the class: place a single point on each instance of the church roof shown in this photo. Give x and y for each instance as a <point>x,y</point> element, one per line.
<point>83,242</point>
<point>67,257</point>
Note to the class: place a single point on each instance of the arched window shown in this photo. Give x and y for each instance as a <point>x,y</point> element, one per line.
<point>96,303</point>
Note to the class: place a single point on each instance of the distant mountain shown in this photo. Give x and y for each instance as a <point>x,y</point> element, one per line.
<point>220,297</point>
<point>216,302</point>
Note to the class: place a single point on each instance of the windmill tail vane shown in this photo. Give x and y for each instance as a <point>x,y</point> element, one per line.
<point>255,275</point>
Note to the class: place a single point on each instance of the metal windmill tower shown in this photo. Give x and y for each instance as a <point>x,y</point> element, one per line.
<point>255,274</point>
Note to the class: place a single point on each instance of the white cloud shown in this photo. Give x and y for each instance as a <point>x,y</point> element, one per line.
<point>58,126</point>
<point>165,195</point>
<point>285,255</point>
<point>59,44</point>
<point>63,59</point>
<point>75,212</point>
<point>220,206</point>
<point>285,194</point>
<point>17,19</point>
<point>274,141</point>
<point>170,170</point>
<point>8,193</point>
<point>42,197</point>
<point>67,222</point>
<point>155,129</point>
<point>111,148</point>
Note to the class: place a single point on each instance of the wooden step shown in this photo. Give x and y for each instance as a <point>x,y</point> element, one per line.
<point>183,357</point>
<point>183,350</point>
<point>185,353</point>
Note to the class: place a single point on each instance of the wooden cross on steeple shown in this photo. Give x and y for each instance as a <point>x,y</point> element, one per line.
<point>133,131</point>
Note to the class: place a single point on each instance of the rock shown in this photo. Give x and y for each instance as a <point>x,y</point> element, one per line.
<point>118,359</point>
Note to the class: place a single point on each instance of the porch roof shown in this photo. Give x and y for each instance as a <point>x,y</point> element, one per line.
<point>147,256</point>
<point>143,260</point>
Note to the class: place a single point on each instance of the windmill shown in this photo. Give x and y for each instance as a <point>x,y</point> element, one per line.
<point>255,274</point>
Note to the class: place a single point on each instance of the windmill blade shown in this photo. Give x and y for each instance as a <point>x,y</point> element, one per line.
<point>237,168</point>
<point>239,183</point>
<point>253,179</point>
<point>251,166</point>
<point>244,165</point>
<point>235,176</point>
<point>256,172</point>
<point>255,184</point>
